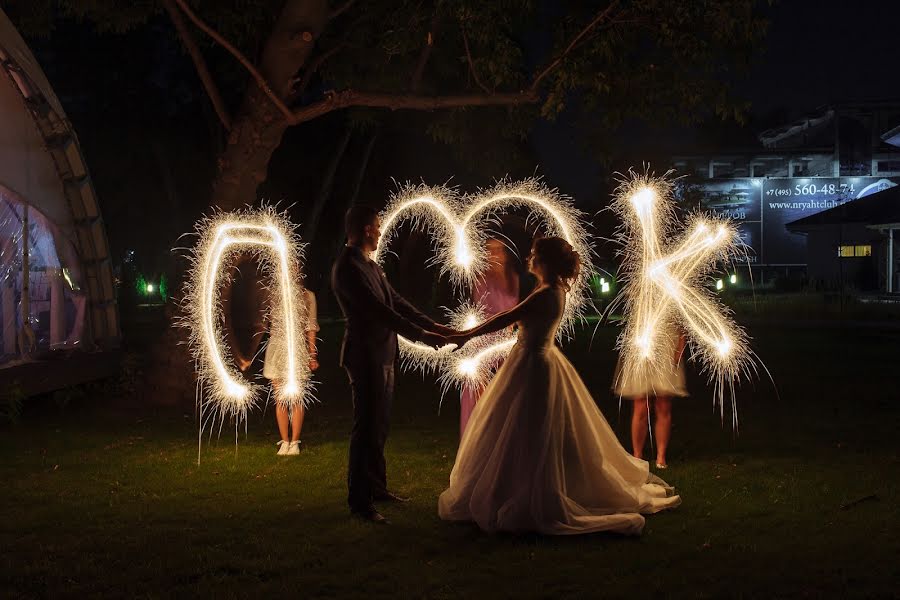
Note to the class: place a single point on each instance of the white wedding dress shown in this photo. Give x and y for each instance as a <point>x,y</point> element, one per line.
<point>537,454</point>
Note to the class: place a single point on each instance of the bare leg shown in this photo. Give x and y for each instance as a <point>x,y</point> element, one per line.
<point>663,427</point>
<point>296,422</point>
<point>639,427</point>
<point>281,414</point>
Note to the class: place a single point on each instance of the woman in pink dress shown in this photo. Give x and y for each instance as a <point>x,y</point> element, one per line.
<point>496,292</point>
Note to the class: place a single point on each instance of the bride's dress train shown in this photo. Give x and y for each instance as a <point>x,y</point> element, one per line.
<point>538,455</point>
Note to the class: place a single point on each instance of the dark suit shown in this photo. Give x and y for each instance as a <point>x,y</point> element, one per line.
<point>375,314</point>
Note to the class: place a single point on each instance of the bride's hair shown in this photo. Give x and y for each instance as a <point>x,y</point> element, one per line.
<point>561,262</point>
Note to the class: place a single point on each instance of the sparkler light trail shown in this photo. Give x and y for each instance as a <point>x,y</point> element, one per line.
<point>458,228</point>
<point>664,289</point>
<point>271,237</point>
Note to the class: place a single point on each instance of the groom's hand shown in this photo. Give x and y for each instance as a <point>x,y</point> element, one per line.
<point>434,340</point>
<point>460,339</point>
<point>443,330</point>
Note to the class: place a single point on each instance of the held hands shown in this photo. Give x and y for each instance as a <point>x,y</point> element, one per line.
<point>460,338</point>
<point>435,340</point>
<point>441,335</point>
<point>443,330</point>
<point>242,362</point>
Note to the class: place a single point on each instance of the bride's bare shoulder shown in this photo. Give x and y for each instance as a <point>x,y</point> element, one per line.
<point>544,295</point>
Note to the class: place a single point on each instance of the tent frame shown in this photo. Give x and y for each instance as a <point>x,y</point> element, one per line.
<point>90,239</point>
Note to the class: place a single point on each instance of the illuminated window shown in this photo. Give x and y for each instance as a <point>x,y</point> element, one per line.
<point>854,251</point>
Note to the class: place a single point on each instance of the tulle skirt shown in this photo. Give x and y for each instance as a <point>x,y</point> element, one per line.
<point>539,456</point>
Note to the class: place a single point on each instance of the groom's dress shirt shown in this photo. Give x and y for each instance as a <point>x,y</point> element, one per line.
<point>375,312</point>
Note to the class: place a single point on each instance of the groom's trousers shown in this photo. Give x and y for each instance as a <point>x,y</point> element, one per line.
<point>373,390</point>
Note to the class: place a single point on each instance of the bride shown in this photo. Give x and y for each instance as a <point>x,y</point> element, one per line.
<point>537,454</point>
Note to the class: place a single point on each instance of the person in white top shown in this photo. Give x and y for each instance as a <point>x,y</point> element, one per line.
<point>290,425</point>
<point>247,304</point>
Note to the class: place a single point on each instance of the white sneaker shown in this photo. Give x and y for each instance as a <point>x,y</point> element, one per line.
<point>293,448</point>
<point>283,447</point>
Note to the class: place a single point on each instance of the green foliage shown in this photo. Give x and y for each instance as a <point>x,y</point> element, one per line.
<point>140,285</point>
<point>651,60</point>
<point>164,287</point>
<point>12,401</point>
<point>242,21</point>
<point>38,17</point>
<point>67,395</point>
<point>648,58</point>
<point>131,376</point>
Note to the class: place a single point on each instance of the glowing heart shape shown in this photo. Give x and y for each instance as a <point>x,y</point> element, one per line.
<point>457,225</point>
<point>271,236</point>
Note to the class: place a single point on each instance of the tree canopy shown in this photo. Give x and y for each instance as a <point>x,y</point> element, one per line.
<point>619,58</point>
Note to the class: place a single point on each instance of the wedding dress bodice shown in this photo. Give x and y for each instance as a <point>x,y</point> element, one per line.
<point>538,325</point>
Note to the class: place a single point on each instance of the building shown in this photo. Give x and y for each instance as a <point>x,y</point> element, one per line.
<point>851,246</point>
<point>836,155</point>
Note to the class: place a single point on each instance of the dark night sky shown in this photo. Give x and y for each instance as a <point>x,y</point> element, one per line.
<point>820,52</point>
<point>815,53</point>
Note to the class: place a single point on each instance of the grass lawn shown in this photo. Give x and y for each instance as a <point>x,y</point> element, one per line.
<point>104,498</point>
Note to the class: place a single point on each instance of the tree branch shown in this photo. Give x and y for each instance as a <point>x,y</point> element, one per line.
<point>601,16</point>
<point>351,98</point>
<point>190,44</point>
<point>469,58</point>
<point>260,80</point>
<point>415,83</point>
<point>340,9</point>
<point>314,66</point>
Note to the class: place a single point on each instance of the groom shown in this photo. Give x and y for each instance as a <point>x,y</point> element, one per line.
<point>375,314</point>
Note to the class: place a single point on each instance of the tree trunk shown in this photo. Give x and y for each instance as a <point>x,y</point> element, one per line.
<point>259,126</point>
<point>256,131</point>
<point>349,201</point>
<point>244,164</point>
<point>315,213</point>
<point>367,154</point>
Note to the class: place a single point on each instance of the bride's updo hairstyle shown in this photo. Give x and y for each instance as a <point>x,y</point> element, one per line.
<point>560,261</point>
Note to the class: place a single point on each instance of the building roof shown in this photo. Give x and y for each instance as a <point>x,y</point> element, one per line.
<point>798,132</point>
<point>892,137</point>
<point>881,208</point>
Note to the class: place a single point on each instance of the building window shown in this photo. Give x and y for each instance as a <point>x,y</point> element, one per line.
<point>854,251</point>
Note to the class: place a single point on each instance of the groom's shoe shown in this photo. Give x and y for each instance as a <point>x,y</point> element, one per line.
<point>388,496</point>
<point>371,515</point>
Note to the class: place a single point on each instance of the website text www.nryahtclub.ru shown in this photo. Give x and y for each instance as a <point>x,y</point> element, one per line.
<point>805,205</point>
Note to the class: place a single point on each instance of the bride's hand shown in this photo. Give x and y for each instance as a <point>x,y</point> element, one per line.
<point>460,339</point>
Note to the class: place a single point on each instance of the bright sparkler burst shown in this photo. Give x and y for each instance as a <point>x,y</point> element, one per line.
<point>458,227</point>
<point>666,289</point>
<point>222,237</point>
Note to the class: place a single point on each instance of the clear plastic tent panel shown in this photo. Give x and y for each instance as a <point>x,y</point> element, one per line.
<point>42,307</point>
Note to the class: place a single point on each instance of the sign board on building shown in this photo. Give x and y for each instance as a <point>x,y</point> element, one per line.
<point>762,207</point>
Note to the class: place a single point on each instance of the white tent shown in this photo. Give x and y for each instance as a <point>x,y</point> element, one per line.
<point>56,284</point>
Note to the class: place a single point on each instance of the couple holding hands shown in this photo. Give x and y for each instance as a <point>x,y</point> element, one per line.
<point>537,454</point>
